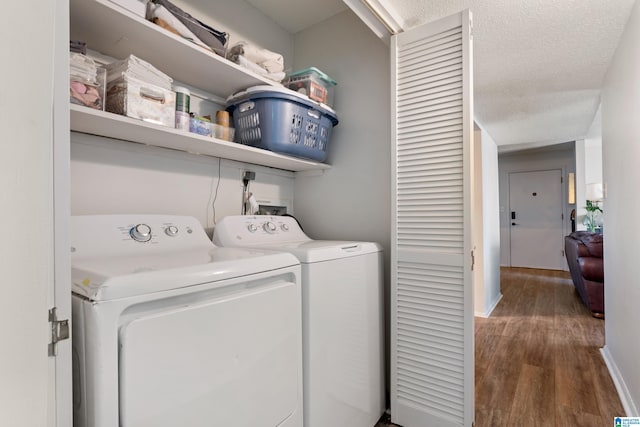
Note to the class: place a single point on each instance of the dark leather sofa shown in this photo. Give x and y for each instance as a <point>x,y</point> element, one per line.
<point>583,250</point>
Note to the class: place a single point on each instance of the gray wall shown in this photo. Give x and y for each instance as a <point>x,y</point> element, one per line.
<point>351,200</point>
<point>621,173</point>
<point>115,177</point>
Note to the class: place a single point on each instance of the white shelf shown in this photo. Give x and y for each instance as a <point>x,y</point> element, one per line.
<point>116,32</point>
<point>110,125</point>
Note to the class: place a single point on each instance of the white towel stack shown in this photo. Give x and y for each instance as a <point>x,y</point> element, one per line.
<point>83,68</point>
<point>136,68</point>
<point>260,61</point>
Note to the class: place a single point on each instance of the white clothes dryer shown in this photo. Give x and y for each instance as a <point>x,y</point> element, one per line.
<point>342,317</point>
<point>169,330</point>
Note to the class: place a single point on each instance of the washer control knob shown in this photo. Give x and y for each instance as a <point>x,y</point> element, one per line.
<point>171,231</point>
<point>252,228</point>
<point>270,227</point>
<point>141,233</point>
<point>284,227</point>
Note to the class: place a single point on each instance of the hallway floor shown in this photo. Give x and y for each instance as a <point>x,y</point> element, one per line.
<point>538,360</point>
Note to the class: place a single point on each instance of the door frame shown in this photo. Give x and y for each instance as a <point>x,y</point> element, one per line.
<point>60,367</point>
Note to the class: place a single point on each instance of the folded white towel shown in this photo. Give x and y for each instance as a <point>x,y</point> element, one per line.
<point>276,77</point>
<point>270,61</point>
<point>140,69</point>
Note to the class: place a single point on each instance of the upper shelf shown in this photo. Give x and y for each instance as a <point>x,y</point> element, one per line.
<point>110,125</point>
<point>116,32</point>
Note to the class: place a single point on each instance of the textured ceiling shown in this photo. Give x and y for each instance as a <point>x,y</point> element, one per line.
<point>538,64</point>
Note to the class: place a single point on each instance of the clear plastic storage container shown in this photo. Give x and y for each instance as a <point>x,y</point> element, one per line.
<point>86,82</point>
<point>200,126</point>
<point>223,132</point>
<point>313,83</point>
<point>141,100</point>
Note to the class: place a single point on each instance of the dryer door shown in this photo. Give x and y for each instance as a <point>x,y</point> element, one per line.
<point>232,359</point>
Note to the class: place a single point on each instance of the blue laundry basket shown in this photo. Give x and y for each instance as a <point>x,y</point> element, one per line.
<point>283,121</point>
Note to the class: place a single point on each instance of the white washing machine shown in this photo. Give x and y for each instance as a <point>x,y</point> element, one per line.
<point>342,312</point>
<point>169,330</point>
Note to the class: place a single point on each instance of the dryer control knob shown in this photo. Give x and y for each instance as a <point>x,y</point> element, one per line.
<point>141,233</point>
<point>252,228</point>
<point>284,227</point>
<point>171,231</point>
<point>270,227</point>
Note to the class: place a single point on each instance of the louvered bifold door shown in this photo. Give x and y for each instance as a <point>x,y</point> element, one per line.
<point>432,376</point>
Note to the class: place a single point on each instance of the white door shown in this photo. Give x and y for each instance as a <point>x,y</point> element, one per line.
<point>32,127</point>
<point>535,204</point>
<point>432,351</point>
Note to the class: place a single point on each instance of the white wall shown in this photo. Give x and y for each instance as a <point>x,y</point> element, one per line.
<point>588,165</point>
<point>109,177</point>
<point>580,184</point>
<point>621,154</point>
<point>353,199</point>
<point>593,151</point>
<point>487,229</point>
<point>524,161</point>
<point>26,197</point>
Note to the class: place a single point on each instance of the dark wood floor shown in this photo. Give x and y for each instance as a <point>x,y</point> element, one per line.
<point>538,359</point>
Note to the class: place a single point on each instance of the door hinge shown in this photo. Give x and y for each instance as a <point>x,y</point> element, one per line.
<point>59,331</point>
<point>562,216</point>
<point>562,252</point>
<point>473,260</point>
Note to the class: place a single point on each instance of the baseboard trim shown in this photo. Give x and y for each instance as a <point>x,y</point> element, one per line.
<point>490,310</point>
<point>623,392</point>
<point>494,305</point>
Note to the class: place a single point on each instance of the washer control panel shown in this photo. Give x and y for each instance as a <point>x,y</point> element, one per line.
<point>258,229</point>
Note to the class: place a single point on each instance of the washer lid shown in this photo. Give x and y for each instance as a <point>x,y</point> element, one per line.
<point>107,278</point>
<point>283,233</point>
<point>309,251</point>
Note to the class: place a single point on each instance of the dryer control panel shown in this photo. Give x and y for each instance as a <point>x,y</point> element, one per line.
<point>255,230</point>
<point>116,235</point>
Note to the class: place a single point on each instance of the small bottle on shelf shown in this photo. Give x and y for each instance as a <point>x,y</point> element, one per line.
<point>183,100</point>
